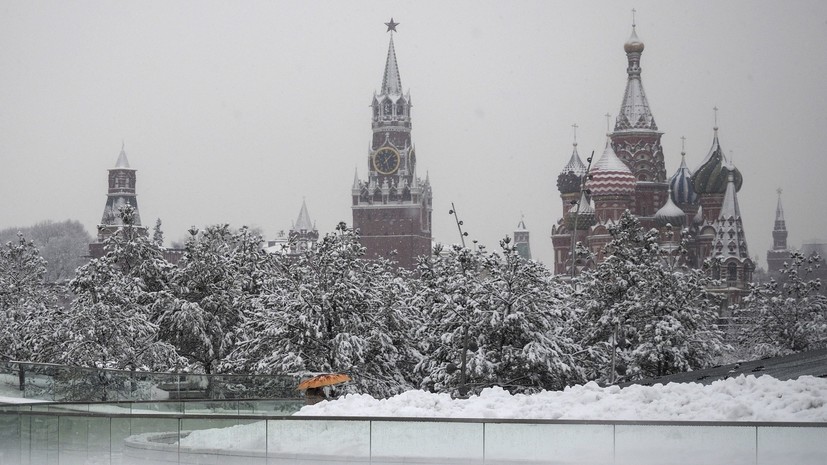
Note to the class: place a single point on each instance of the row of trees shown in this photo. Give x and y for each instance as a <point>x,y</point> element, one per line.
<point>464,320</point>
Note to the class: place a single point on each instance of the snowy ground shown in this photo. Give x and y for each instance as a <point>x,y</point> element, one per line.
<point>745,398</point>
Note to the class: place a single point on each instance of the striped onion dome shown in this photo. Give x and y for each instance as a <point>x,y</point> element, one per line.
<point>610,176</point>
<point>711,176</point>
<point>569,179</point>
<point>670,214</point>
<point>681,185</point>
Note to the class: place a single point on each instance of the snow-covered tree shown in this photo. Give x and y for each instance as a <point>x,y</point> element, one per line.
<point>110,323</point>
<point>214,284</point>
<point>27,305</point>
<point>645,316</point>
<point>780,318</point>
<point>492,319</point>
<point>158,234</point>
<point>64,246</point>
<point>331,311</point>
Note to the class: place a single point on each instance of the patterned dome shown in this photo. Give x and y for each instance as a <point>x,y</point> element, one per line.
<point>610,176</point>
<point>569,179</point>
<point>633,44</point>
<point>670,214</point>
<point>711,176</point>
<point>584,209</point>
<point>681,185</point>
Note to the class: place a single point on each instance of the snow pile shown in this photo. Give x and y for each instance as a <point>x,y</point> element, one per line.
<point>745,398</point>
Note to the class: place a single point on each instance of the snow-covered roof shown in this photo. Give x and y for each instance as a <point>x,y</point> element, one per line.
<point>575,164</point>
<point>730,240</point>
<point>634,111</point>
<point>610,175</point>
<point>683,193</point>
<point>122,162</point>
<point>670,213</point>
<point>303,222</point>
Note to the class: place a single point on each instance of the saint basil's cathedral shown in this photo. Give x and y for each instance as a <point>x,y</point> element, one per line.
<point>631,174</point>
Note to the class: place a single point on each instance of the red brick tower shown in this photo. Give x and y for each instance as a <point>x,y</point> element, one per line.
<point>392,208</point>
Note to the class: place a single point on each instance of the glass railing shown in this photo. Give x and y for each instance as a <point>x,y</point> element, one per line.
<point>30,435</point>
<point>43,381</point>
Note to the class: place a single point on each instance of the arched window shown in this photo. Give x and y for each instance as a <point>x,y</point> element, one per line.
<point>732,272</point>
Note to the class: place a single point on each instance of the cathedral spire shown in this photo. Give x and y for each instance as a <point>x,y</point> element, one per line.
<point>730,240</point>
<point>634,111</point>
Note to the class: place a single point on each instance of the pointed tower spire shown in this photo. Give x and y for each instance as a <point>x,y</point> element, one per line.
<point>122,162</point>
<point>780,253</point>
<point>779,231</point>
<point>303,222</point>
<point>634,110</point>
<point>730,240</point>
<point>391,82</point>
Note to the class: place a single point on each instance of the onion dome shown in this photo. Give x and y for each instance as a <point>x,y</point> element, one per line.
<point>569,179</point>
<point>633,45</point>
<point>680,184</point>
<point>711,176</point>
<point>670,214</point>
<point>584,212</point>
<point>610,176</point>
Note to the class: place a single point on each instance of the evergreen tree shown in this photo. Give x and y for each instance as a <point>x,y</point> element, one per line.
<point>110,323</point>
<point>492,319</point>
<point>787,317</point>
<point>645,316</point>
<point>210,292</point>
<point>27,305</point>
<point>331,311</point>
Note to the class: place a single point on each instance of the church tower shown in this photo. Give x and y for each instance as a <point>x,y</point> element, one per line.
<point>522,240</point>
<point>636,139</point>
<point>121,192</point>
<point>779,253</point>
<point>303,235</point>
<point>392,207</point>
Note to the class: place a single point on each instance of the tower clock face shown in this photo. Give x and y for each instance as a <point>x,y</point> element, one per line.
<point>386,160</point>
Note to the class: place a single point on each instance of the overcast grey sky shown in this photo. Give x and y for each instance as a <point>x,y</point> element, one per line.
<point>232,112</point>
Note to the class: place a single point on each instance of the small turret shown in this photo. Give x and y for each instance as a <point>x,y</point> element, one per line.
<point>670,214</point>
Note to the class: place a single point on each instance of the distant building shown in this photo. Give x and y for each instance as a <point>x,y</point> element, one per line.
<point>301,238</point>
<point>392,207</point>
<point>521,240</point>
<point>631,175</point>
<point>121,192</point>
<point>780,253</point>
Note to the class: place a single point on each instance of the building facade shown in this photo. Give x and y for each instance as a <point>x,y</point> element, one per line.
<point>631,175</point>
<point>392,206</point>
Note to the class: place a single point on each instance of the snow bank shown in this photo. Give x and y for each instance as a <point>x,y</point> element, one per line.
<point>745,398</point>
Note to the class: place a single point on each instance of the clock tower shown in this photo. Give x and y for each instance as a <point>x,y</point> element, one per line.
<point>392,207</point>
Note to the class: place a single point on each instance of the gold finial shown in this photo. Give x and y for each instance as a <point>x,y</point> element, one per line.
<point>715,109</point>
<point>633,17</point>
<point>778,191</point>
<point>683,145</point>
<point>575,126</point>
<point>608,116</point>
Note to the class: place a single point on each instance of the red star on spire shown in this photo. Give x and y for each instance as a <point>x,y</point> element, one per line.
<point>391,26</point>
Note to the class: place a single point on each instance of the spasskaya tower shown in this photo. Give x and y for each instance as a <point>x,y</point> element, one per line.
<point>392,207</point>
